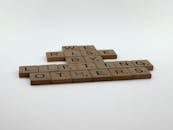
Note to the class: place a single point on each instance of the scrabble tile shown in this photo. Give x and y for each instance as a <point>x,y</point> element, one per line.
<point>71,53</point>
<point>123,64</point>
<point>90,52</point>
<point>60,77</point>
<point>87,47</point>
<point>74,60</point>
<point>66,67</point>
<point>68,48</point>
<point>100,75</point>
<point>40,78</point>
<point>47,68</point>
<point>55,56</point>
<point>120,74</point>
<point>142,63</point>
<point>81,76</point>
<point>25,70</point>
<point>140,73</point>
<point>108,54</point>
<point>86,66</point>
<point>100,65</point>
<point>109,64</point>
<point>93,59</point>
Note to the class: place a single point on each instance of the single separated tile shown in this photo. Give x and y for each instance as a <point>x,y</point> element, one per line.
<point>142,63</point>
<point>140,73</point>
<point>81,76</point>
<point>123,64</point>
<point>25,70</point>
<point>108,54</point>
<point>47,68</point>
<point>75,60</point>
<point>60,77</point>
<point>40,78</point>
<point>100,75</point>
<point>55,56</point>
<point>120,74</point>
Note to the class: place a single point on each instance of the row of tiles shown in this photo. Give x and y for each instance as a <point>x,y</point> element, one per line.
<point>89,75</point>
<point>24,71</point>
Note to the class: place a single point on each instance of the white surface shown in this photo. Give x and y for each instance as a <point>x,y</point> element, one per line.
<point>134,29</point>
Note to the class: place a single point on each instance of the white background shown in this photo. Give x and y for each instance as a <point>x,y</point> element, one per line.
<point>135,29</point>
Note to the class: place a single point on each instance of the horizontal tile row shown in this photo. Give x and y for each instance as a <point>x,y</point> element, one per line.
<point>24,71</point>
<point>89,75</point>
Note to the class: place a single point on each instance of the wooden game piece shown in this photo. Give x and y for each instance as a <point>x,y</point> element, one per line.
<point>100,75</point>
<point>66,67</point>
<point>74,60</point>
<point>123,64</point>
<point>87,47</point>
<point>140,73</point>
<point>60,77</point>
<point>86,66</point>
<point>120,74</point>
<point>25,70</point>
<point>81,76</point>
<point>55,56</point>
<point>71,53</point>
<point>109,64</point>
<point>108,54</point>
<point>47,68</point>
<point>70,48</point>
<point>142,63</point>
<point>40,78</point>
<point>100,65</point>
<point>92,59</point>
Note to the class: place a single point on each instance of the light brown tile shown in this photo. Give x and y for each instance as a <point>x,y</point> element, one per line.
<point>60,77</point>
<point>55,56</point>
<point>108,54</point>
<point>25,70</point>
<point>40,78</point>
<point>75,60</point>
<point>81,76</point>
<point>86,66</point>
<point>100,75</point>
<point>71,53</point>
<point>120,74</point>
<point>109,64</point>
<point>142,63</point>
<point>93,59</point>
<point>123,64</point>
<point>140,73</point>
<point>66,67</point>
<point>47,68</point>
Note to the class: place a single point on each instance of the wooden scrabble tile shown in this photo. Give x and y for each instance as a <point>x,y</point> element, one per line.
<point>100,65</point>
<point>123,64</point>
<point>66,67</point>
<point>93,59</point>
<point>100,75</point>
<point>120,74</point>
<point>68,48</point>
<point>81,76</point>
<point>25,70</point>
<point>87,47</point>
<point>109,64</point>
<point>140,73</point>
<point>55,56</point>
<point>60,77</point>
<point>75,60</point>
<point>40,78</point>
<point>142,63</point>
<point>86,66</point>
<point>47,68</point>
<point>108,54</point>
<point>71,53</point>
<point>90,52</point>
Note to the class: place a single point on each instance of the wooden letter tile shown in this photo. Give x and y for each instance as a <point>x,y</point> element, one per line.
<point>92,59</point>
<point>60,77</point>
<point>25,70</point>
<point>142,63</point>
<point>40,78</point>
<point>47,68</point>
<point>74,60</point>
<point>123,64</point>
<point>108,54</point>
<point>55,56</point>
